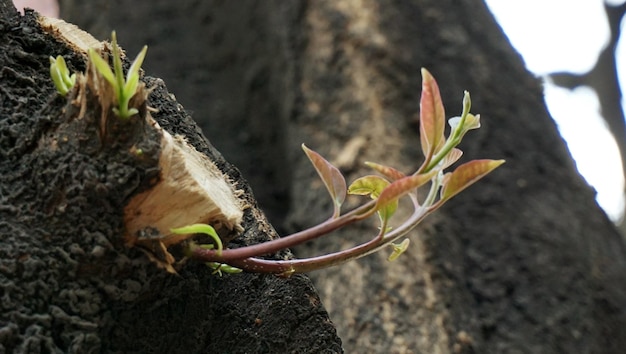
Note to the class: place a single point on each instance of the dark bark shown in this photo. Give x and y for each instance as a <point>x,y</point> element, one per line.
<point>67,282</point>
<point>253,66</point>
<point>525,261</point>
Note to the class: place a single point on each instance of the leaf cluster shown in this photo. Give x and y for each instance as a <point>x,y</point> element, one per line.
<point>60,75</point>
<point>384,189</point>
<point>124,89</point>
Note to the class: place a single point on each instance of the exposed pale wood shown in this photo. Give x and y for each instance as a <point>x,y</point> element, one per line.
<point>192,190</point>
<point>78,39</point>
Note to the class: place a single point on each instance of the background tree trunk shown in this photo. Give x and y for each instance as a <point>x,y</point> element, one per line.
<point>67,282</point>
<point>525,261</point>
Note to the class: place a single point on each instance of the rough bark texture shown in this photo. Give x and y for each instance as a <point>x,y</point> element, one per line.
<point>524,262</point>
<point>67,282</point>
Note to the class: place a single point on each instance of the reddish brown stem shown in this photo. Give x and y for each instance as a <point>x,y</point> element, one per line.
<point>231,255</point>
<point>288,267</point>
<point>292,266</point>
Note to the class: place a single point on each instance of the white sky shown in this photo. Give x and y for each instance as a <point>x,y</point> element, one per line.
<point>568,35</point>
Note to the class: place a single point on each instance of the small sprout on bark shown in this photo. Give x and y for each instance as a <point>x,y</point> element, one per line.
<point>218,268</point>
<point>201,229</point>
<point>61,75</point>
<point>210,231</point>
<point>124,89</point>
<point>440,152</point>
<point>136,151</point>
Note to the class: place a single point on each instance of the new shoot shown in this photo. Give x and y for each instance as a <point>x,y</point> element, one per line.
<point>124,89</point>
<point>384,189</point>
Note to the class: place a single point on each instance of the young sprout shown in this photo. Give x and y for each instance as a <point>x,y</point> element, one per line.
<point>124,89</point>
<point>440,152</point>
<point>201,229</point>
<point>220,268</point>
<point>209,231</point>
<point>61,75</point>
<point>398,249</point>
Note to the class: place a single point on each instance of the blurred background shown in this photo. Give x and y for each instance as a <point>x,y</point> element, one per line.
<point>575,47</point>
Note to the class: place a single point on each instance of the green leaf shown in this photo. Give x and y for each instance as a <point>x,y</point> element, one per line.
<point>72,80</point>
<point>130,87</point>
<point>53,61</point>
<point>373,186</point>
<point>57,78</point>
<point>65,73</point>
<point>117,67</point>
<point>61,75</point>
<point>402,187</point>
<point>133,72</point>
<point>369,185</point>
<point>61,67</point>
<point>432,116</point>
<point>103,67</point>
<point>471,122</point>
<point>453,156</point>
<point>398,249</point>
<point>389,172</point>
<point>201,229</point>
<point>465,175</point>
<point>333,179</point>
<point>385,213</point>
<point>220,267</point>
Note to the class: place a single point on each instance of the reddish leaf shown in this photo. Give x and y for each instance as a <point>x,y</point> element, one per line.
<point>432,116</point>
<point>386,171</point>
<point>453,156</point>
<point>402,187</point>
<point>330,175</point>
<point>465,175</point>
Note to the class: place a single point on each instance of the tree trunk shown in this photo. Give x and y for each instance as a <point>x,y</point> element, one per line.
<point>77,184</point>
<point>525,261</point>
